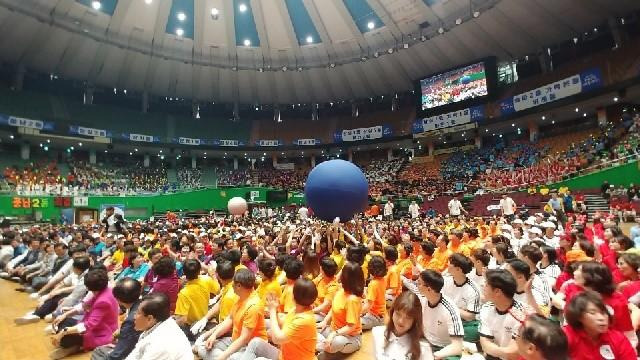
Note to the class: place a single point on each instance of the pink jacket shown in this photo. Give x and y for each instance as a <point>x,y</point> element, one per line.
<point>100,319</point>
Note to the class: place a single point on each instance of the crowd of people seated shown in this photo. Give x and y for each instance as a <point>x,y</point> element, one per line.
<point>239,177</point>
<point>545,286</point>
<point>189,178</point>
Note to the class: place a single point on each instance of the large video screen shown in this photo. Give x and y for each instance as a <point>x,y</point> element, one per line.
<point>454,86</point>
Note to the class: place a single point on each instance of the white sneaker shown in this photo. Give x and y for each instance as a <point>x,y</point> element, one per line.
<point>48,318</point>
<point>34,296</point>
<point>4,275</point>
<point>49,330</point>
<point>27,319</point>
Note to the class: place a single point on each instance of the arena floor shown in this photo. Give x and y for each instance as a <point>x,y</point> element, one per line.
<point>28,342</point>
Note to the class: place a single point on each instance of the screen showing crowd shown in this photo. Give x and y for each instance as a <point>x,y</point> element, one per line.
<point>454,86</point>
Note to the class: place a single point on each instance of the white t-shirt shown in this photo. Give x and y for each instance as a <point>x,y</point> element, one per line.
<point>508,206</point>
<point>414,210</point>
<point>388,209</point>
<point>501,327</point>
<point>397,347</point>
<point>303,212</point>
<point>465,296</point>
<point>441,322</point>
<point>455,207</point>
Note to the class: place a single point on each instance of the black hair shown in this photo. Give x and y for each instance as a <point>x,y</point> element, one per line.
<point>293,268</point>
<point>624,241</point>
<point>96,280</point>
<point>587,247</point>
<point>503,280</point>
<point>597,277</point>
<point>462,262</point>
<point>532,253</point>
<point>281,259</point>
<point>633,260</point>
<point>357,253</point>
<point>547,336</point>
<point>191,269</point>
<point>127,290</point>
<point>153,252</point>
<point>304,292</point>
<point>245,278</point>
<point>520,267</point>
<point>408,248</point>
<point>432,279</point>
<point>267,267</point>
<point>482,255</point>
<point>157,305</point>
<point>60,245</point>
<point>578,306</point>
<point>428,247</point>
<point>82,263</point>
<point>164,267</point>
<point>390,253</point>
<point>328,266</point>
<point>234,255</point>
<point>78,249</point>
<point>225,270</point>
<point>251,252</point>
<point>504,250</point>
<point>377,266</point>
<point>339,245</point>
<point>551,253</point>
<point>352,279</point>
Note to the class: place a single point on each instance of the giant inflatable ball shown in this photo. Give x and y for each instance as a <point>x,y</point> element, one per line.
<point>336,188</point>
<point>237,206</point>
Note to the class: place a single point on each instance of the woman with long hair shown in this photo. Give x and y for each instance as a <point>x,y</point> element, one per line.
<point>401,337</point>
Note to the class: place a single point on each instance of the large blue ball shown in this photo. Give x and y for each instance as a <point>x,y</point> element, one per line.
<point>336,188</point>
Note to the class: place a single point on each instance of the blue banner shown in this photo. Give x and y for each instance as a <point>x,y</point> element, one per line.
<point>454,118</point>
<point>141,137</point>
<point>370,133</point>
<point>585,81</point>
<point>269,143</point>
<point>23,122</point>
<point>85,131</point>
<point>307,142</point>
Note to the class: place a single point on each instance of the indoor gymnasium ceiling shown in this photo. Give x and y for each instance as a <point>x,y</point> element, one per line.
<point>281,51</point>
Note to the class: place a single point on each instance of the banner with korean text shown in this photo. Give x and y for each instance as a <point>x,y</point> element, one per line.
<point>370,133</point>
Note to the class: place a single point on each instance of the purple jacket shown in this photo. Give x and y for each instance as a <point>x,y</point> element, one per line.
<point>100,319</point>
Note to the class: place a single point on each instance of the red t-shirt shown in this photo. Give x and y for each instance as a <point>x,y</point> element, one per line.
<point>631,290</point>
<point>611,345</point>
<point>617,305</point>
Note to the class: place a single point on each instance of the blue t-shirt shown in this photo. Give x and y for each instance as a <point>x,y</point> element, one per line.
<point>138,273</point>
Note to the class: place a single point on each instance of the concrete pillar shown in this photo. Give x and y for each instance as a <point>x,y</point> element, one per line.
<point>274,159</point>
<point>92,156</point>
<point>618,36</point>
<point>253,164</point>
<point>431,147</point>
<point>235,163</point>
<point>350,155</point>
<point>88,94</point>
<point>25,151</point>
<point>389,154</point>
<point>478,141</point>
<point>194,163</point>
<point>146,161</point>
<point>533,132</point>
<point>313,161</point>
<point>18,80</point>
<point>145,102</point>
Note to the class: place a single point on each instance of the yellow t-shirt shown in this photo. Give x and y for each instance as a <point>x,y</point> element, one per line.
<point>327,288</point>
<point>440,260</point>
<point>376,296</point>
<point>227,299</point>
<point>300,331</point>
<point>339,259</point>
<point>193,299</point>
<point>287,303</point>
<point>393,279</point>
<point>269,287</point>
<point>118,257</point>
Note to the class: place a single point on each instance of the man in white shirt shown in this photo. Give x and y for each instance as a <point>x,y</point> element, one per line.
<point>388,210</point>
<point>441,319</point>
<point>455,207</point>
<point>508,207</point>
<point>161,336</point>
<point>303,213</point>
<point>414,210</point>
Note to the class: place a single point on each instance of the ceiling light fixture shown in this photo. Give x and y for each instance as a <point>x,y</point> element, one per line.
<point>96,5</point>
<point>247,42</point>
<point>309,39</point>
<point>242,7</point>
<point>441,30</point>
<point>181,16</point>
<point>476,14</point>
<point>458,21</point>
<point>215,12</point>
<point>371,25</point>
<point>179,32</point>
<point>148,2</point>
<point>615,99</point>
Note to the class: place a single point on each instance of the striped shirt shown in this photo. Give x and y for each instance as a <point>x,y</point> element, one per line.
<point>465,296</point>
<point>499,326</point>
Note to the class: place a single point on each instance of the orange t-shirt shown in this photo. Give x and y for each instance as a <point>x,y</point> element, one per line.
<point>406,268</point>
<point>376,296</point>
<point>300,330</point>
<point>345,311</point>
<point>327,288</point>
<point>287,303</point>
<point>393,279</point>
<point>440,260</point>
<point>424,261</point>
<point>250,314</point>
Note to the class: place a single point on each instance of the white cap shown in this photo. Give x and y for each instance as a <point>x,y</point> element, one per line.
<point>95,235</point>
<point>506,227</point>
<point>552,218</point>
<point>517,221</point>
<point>536,230</point>
<point>548,224</point>
<point>530,222</point>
